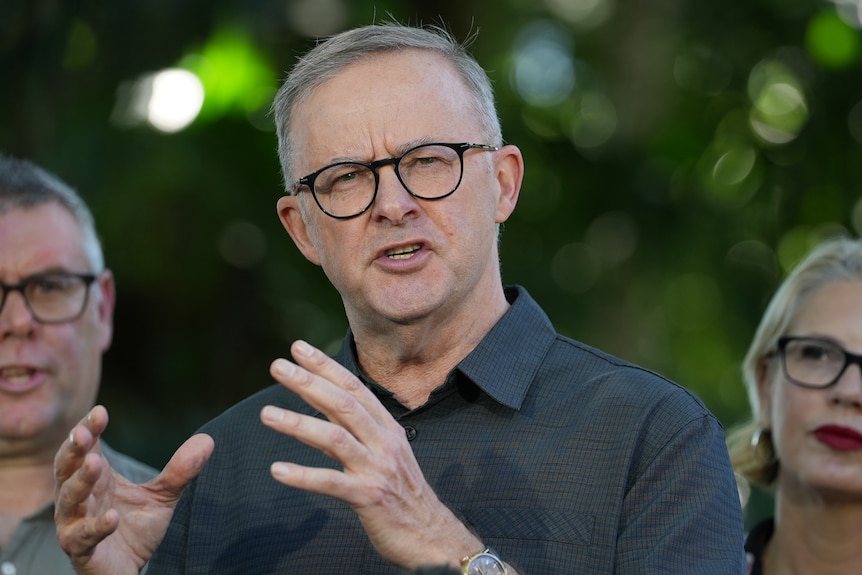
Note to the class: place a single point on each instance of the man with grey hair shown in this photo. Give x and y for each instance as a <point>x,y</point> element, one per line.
<point>56,309</point>
<point>455,427</point>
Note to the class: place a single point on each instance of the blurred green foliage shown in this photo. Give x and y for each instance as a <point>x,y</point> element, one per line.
<point>680,156</point>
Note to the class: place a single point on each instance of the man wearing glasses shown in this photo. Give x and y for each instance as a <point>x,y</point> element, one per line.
<point>456,427</point>
<point>56,306</point>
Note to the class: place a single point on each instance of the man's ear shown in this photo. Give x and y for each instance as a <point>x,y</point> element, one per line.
<point>509,172</point>
<point>105,308</point>
<point>291,219</point>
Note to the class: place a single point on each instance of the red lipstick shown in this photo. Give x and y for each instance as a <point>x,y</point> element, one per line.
<point>839,437</point>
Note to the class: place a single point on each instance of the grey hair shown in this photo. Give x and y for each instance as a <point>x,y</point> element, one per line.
<point>331,56</point>
<point>24,185</point>
<point>834,260</point>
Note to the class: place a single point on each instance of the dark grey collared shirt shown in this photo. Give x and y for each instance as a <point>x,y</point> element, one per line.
<point>562,458</point>
<point>34,550</point>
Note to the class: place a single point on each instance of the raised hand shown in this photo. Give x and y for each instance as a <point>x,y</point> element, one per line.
<point>105,523</point>
<point>380,477</point>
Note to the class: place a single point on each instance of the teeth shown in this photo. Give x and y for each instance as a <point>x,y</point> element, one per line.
<point>16,375</point>
<point>403,252</point>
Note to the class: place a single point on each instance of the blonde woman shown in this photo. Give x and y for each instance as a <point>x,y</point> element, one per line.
<point>804,440</point>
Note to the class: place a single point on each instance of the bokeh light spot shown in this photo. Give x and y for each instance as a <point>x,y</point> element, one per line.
<point>831,41</point>
<point>594,121</point>
<point>581,13</point>
<point>733,166</point>
<point>779,107</point>
<point>544,72</point>
<point>729,173</point>
<point>175,100</point>
<point>233,73</point>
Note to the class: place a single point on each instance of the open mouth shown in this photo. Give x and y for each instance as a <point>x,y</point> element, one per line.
<point>16,376</point>
<point>403,252</point>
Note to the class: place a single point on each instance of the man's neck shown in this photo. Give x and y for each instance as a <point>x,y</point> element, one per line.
<point>413,360</point>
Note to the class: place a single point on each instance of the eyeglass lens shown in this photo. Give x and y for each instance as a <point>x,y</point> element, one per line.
<point>428,172</point>
<point>813,362</point>
<point>52,298</point>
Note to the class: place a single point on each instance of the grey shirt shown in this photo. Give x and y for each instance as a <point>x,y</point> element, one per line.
<point>564,459</point>
<point>33,548</point>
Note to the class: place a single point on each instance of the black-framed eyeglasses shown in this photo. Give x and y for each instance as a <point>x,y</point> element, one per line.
<point>344,190</point>
<point>52,297</point>
<point>814,362</point>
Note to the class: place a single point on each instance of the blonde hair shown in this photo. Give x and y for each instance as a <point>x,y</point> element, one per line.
<point>834,260</point>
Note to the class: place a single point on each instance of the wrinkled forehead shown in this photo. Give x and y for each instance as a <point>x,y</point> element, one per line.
<point>381,103</point>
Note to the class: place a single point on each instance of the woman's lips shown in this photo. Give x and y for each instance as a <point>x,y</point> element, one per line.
<point>839,437</point>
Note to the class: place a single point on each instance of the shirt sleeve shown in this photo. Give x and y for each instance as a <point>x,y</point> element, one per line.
<point>682,512</point>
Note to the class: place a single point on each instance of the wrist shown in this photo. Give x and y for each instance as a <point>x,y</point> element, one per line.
<point>484,562</point>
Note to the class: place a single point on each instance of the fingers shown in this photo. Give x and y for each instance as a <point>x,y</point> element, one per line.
<point>184,465</point>
<point>319,480</point>
<point>327,386</point>
<point>333,440</point>
<point>81,538</point>
<point>79,533</point>
<point>82,439</point>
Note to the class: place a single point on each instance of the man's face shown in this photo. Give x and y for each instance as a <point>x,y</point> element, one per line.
<point>405,259</point>
<point>49,373</point>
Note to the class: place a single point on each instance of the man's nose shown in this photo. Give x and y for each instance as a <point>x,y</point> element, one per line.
<point>393,202</point>
<point>15,315</point>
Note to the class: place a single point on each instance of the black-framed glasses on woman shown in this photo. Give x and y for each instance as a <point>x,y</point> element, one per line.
<point>52,297</point>
<point>344,190</point>
<point>814,362</point>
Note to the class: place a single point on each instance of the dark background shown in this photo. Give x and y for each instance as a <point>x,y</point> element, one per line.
<point>680,156</point>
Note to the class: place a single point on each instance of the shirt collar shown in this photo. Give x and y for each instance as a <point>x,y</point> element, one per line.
<point>505,362</point>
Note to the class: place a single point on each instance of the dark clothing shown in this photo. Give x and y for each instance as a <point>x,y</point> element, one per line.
<point>562,458</point>
<point>755,545</point>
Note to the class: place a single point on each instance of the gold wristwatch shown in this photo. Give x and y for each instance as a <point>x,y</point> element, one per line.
<point>485,562</point>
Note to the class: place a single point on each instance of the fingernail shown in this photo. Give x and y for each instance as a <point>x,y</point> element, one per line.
<point>272,413</point>
<point>72,437</point>
<point>303,347</point>
<point>280,468</point>
<point>283,367</point>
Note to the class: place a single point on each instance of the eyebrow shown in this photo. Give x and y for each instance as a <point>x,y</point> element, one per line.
<point>399,151</point>
<point>55,269</point>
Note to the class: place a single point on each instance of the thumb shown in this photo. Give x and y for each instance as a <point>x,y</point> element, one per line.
<point>184,465</point>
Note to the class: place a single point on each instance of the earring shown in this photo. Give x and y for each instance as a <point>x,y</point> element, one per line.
<point>762,448</point>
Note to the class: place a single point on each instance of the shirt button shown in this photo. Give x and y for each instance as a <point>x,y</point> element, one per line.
<point>410,431</point>
<point>7,568</point>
